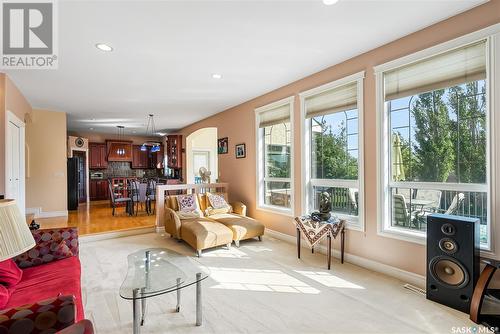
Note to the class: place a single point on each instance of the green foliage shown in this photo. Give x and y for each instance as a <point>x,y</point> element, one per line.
<point>449,136</point>
<point>435,152</point>
<point>330,157</point>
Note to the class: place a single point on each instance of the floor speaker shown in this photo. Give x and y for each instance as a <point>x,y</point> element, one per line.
<point>452,259</point>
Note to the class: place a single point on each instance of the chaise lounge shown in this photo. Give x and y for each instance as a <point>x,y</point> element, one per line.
<point>207,227</point>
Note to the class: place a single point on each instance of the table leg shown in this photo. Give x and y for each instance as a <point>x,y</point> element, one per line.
<point>178,308</point>
<point>479,291</point>
<point>135,311</point>
<point>298,243</point>
<point>312,249</point>
<point>198,300</point>
<point>143,306</point>
<point>342,241</point>
<point>329,250</point>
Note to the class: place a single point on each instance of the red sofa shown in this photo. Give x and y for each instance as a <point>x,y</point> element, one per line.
<point>48,297</point>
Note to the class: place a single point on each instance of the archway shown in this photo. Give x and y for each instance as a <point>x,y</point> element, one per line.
<point>201,151</point>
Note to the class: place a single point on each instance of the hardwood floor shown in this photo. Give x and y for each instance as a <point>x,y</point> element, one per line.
<point>96,218</point>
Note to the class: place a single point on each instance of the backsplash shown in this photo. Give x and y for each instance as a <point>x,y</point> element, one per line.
<point>122,169</point>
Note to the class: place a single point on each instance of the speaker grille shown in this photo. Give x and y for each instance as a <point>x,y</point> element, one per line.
<point>449,272</point>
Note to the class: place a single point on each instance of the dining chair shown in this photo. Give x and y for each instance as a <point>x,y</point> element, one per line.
<point>117,199</point>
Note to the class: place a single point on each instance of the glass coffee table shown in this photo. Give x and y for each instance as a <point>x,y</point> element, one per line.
<point>156,271</point>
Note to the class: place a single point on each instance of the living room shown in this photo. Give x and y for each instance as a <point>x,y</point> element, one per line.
<point>162,173</point>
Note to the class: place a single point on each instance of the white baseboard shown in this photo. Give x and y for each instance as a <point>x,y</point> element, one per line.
<point>49,214</point>
<point>403,275</point>
<point>115,234</point>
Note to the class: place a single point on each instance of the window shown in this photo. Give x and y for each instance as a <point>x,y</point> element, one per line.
<point>435,140</point>
<point>333,148</point>
<point>274,152</point>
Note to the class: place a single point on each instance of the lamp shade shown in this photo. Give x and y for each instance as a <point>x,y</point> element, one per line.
<point>15,236</point>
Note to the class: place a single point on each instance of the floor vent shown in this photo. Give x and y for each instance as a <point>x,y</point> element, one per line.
<point>414,289</point>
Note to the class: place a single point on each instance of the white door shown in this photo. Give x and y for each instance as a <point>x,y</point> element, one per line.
<point>200,159</point>
<point>15,161</point>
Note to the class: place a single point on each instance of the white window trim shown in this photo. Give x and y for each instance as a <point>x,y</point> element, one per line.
<point>492,34</point>
<point>353,223</point>
<point>260,174</point>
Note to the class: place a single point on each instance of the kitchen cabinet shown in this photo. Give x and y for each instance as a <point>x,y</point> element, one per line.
<point>140,159</point>
<point>119,150</point>
<point>147,159</point>
<point>99,190</point>
<point>160,158</point>
<point>97,156</point>
<point>174,151</point>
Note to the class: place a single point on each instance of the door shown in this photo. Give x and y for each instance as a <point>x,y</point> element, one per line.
<point>200,159</point>
<point>14,164</point>
<point>81,174</point>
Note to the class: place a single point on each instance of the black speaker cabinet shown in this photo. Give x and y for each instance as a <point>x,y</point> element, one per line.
<point>452,259</point>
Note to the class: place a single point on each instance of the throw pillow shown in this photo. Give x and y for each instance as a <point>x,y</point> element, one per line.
<point>10,274</point>
<point>187,215</point>
<point>217,201</point>
<point>188,204</point>
<point>4,296</point>
<point>54,250</point>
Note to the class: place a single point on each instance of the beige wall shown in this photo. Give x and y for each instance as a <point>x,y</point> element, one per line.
<point>11,99</point>
<point>238,124</point>
<point>46,180</point>
<point>95,137</point>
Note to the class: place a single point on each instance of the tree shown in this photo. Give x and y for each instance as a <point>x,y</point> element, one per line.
<point>332,161</point>
<point>468,104</point>
<point>434,149</point>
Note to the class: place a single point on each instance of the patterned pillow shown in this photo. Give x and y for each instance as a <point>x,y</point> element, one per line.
<point>188,204</point>
<point>217,201</point>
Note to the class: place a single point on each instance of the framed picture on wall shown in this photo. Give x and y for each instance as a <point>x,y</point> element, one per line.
<point>240,151</point>
<point>222,145</point>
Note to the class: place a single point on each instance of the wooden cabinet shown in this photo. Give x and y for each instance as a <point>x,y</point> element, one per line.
<point>174,151</point>
<point>97,156</point>
<point>160,158</point>
<point>140,158</point>
<point>99,190</point>
<point>147,159</point>
<point>119,150</point>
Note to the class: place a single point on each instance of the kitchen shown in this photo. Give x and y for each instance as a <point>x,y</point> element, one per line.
<point>100,165</point>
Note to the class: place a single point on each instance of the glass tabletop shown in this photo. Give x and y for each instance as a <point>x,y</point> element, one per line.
<point>156,271</point>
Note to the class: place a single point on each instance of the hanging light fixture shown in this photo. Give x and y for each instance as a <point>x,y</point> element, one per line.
<point>155,146</point>
<point>121,133</point>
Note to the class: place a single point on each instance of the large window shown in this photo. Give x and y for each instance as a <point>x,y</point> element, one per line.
<point>332,148</point>
<point>435,141</point>
<point>274,152</point>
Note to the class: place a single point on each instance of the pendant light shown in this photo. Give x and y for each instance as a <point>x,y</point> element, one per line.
<point>155,146</point>
<point>121,133</point>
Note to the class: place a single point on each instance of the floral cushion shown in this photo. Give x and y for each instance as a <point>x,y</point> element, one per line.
<point>188,204</point>
<point>217,201</point>
<point>217,204</point>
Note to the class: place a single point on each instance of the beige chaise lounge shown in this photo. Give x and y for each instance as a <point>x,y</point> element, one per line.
<point>210,229</point>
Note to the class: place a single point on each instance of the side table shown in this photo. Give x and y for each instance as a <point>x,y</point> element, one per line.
<point>315,231</point>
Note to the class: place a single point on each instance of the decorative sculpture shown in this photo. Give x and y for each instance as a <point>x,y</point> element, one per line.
<point>325,206</point>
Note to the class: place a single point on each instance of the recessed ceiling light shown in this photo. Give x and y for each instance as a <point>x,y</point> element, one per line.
<point>104,47</point>
<point>330,2</point>
<point>91,129</point>
<point>217,76</point>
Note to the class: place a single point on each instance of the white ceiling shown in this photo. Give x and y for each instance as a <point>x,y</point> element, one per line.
<point>166,51</point>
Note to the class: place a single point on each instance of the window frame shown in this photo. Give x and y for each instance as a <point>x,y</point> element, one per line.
<point>261,177</point>
<point>492,186</point>
<point>353,223</point>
